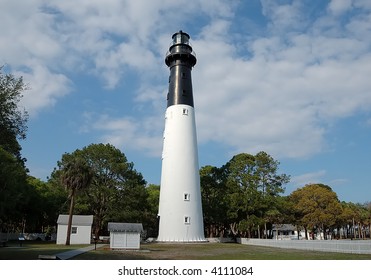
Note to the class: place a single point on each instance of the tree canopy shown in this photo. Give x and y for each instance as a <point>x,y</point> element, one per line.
<point>13,119</point>
<point>116,192</point>
<point>214,202</point>
<point>13,173</point>
<point>242,193</point>
<point>12,183</point>
<point>317,206</point>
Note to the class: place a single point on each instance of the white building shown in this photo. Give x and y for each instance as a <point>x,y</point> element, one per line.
<point>286,232</point>
<point>80,231</point>
<point>125,235</point>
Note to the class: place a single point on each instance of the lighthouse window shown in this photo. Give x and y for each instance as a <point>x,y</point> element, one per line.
<point>187,220</point>
<point>186,197</point>
<point>184,92</point>
<point>184,75</point>
<point>185,111</point>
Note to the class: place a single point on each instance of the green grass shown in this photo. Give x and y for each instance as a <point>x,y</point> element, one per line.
<point>214,251</point>
<point>30,250</point>
<point>161,251</point>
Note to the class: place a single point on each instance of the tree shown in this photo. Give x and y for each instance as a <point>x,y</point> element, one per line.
<point>50,201</point>
<point>243,194</point>
<point>19,193</point>
<point>367,206</point>
<point>253,188</point>
<point>76,175</point>
<point>12,118</point>
<point>270,184</point>
<point>153,192</point>
<point>12,191</point>
<point>317,207</point>
<point>280,213</point>
<point>13,174</point>
<point>358,219</point>
<point>214,202</point>
<point>346,219</point>
<point>117,191</point>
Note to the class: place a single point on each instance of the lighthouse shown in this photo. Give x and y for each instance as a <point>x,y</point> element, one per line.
<point>180,208</point>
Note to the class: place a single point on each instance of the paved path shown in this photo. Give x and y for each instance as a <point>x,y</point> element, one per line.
<point>72,253</point>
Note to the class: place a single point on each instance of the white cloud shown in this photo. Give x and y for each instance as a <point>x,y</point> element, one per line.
<point>295,78</point>
<point>338,7</point>
<point>29,45</point>
<point>106,39</point>
<point>45,88</point>
<point>153,95</point>
<point>131,134</point>
<point>117,34</point>
<point>26,34</point>
<point>111,62</point>
<point>283,98</point>
<point>283,16</point>
<point>363,4</point>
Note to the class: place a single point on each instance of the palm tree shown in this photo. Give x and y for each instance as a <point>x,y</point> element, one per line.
<point>76,175</point>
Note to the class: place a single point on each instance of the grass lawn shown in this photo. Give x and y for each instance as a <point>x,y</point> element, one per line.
<point>30,250</point>
<point>213,251</point>
<point>161,251</point>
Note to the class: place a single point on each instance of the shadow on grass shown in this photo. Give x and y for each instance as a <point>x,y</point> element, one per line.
<point>30,250</point>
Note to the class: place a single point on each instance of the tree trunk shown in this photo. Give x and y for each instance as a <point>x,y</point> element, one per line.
<point>277,232</point>
<point>360,231</point>
<point>306,233</point>
<point>96,233</point>
<point>265,230</point>
<point>97,228</point>
<point>23,225</point>
<point>69,226</point>
<point>259,231</point>
<point>233,228</point>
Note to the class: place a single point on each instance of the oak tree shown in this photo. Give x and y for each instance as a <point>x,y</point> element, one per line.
<point>317,207</point>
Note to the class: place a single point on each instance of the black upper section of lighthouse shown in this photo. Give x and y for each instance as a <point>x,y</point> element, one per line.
<point>180,58</point>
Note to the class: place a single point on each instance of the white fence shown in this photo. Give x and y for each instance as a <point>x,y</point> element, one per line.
<point>340,246</point>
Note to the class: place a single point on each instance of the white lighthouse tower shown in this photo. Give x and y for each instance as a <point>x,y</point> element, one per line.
<point>180,209</point>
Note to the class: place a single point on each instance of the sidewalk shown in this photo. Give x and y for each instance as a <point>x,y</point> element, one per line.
<point>72,253</point>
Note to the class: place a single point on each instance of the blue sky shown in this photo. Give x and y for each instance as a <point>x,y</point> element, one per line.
<point>291,78</point>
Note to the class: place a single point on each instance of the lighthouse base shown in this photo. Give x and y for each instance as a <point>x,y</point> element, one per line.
<point>198,240</point>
